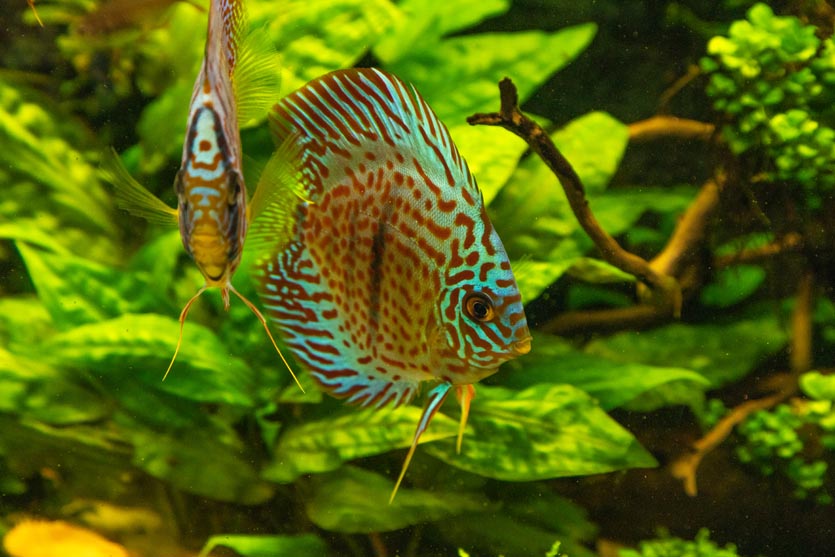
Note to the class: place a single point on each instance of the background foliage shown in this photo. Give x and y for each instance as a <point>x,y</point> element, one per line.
<point>227,455</point>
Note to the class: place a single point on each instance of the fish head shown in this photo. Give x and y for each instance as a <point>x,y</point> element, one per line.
<point>482,321</point>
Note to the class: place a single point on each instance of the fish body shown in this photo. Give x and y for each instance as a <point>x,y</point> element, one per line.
<point>390,274</point>
<point>238,72</point>
<point>210,186</point>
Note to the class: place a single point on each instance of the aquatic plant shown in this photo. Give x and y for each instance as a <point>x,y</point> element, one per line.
<point>651,275</point>
<point>669,546</point>
<point>773,78</point>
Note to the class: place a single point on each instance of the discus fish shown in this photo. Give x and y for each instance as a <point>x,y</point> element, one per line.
<point>236,80</point>
<point>390,274</point>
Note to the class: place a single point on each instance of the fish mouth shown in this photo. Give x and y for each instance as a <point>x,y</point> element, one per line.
<point>521,347</point>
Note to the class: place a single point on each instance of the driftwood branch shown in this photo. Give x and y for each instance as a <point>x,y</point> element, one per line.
<point>790,243</point>
<point>512,119</point>
<point>669,126</point>
<point>685,467</point>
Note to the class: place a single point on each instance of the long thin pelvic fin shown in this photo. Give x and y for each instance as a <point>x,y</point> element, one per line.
<point>183,315</point>
<point>465,395</point>
<point>263,321</point>
<point>433,403</point>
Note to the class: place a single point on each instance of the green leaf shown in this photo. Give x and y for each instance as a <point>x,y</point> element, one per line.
<point>323,445</point>
<point>597,271</point>
<point>305,545</point>
<point>612,383</point>
<point>534,215</point>
<point>532,518</point>
<point>142,345</point>
<point>198,462</point>
<point>732,285</point>
<point>818,386</point>
<point>459,76</point>
<point>52,195</point>
<point>24,322</point>
<point>492,157</point>
<point>722,353</point>
<point>426,21</point>
<point>77,291</point>
<point>545,431</point>
<point>533,277</point>
<point>355,501</point>
<point>34,390</point>
<point>315,38</point>
<point>618,210</point>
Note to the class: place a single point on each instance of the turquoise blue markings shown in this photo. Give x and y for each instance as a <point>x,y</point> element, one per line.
<point>392,276</point>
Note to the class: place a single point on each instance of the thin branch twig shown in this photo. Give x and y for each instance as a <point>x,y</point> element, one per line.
<point>670,126</point>
<point>512,119</point>
<point>790,243</point>
<point>801,360</point>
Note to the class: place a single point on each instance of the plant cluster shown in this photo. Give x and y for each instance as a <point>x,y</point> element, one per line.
<point>794,440</point>
<point>667,546</point>
<point>769,78</point>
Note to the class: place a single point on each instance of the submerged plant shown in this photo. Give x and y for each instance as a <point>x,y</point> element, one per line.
<point>795,441</point>
<point>668,546</point>
<point>770,78</point>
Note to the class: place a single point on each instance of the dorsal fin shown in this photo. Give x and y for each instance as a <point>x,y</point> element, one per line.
<point>361,113</point>
<point>256,76</point>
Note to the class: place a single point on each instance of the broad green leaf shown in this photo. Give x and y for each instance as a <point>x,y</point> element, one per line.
<point>533,277</point>
<point>426,21</point>
<point>305,545</point>
<point>35,390</point>
<point>597,271</point>
<point>51,195</point>
<point>721,353</point>
<point>492,157</point>
<point>24,322</point>
<point>817,385</point>
<point>77,291</point>
<point>95,457</point>
<point>323,445</point>
<point>531,519</point>
<point>618,210</point>
<point>315,38</point>
<point>732,285</point>
<point>197,462</point>
<point>141,346</point>
<point>545,431</point>
<point>354,501</point>
<point>535,217</point>
<point>460,76</point>
<point>611,382</point>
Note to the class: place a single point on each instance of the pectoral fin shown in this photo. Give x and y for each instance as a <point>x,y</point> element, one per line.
<point>132,196</point>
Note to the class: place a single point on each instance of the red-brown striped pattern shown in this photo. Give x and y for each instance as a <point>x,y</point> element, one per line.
<point>370,292</point>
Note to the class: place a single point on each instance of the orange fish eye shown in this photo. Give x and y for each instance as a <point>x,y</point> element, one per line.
<point>479,307</point>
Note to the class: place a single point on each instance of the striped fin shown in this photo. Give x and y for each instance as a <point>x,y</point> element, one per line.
<point>434,401</point>
<point>132,196</point>
<point>272,207</point>
<point>227,20</point>
<point>256,77</point>
<point>357,112</point>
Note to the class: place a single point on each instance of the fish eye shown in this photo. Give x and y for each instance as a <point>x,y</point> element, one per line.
<point>479,307</point>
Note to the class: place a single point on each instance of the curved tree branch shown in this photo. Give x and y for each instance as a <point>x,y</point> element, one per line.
<point>670,126</point>
<point>513,120</point>
<point>685,467</point>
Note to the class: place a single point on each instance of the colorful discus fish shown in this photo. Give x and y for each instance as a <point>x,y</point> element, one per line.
<point>391,274</point>
<point>236,81</point>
